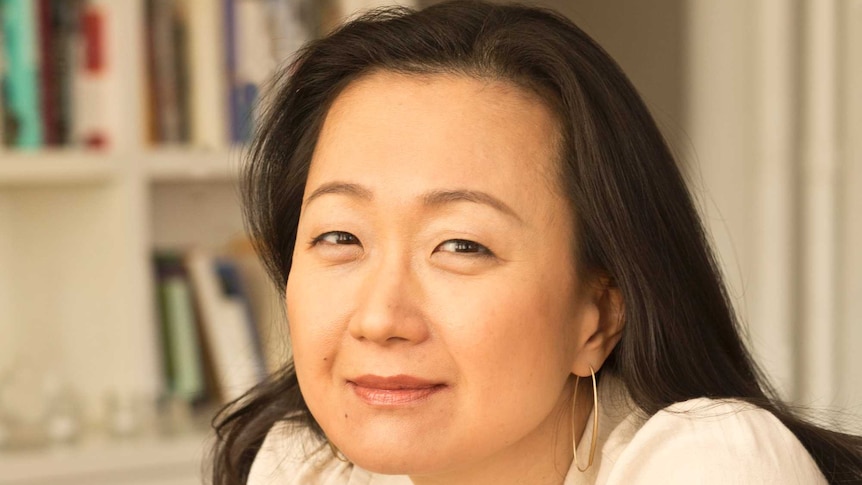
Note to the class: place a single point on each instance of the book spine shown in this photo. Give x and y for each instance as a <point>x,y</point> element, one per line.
<point>206,69</point>
<point>22,79</point>
<point>184,346</point>
<point>167,360</point>
<point>234,288</point>
<point>255,61</point>
<point>90,124</point>
<point>232,94</point>
<point>179,26</point>
<point>152,128</point>
<point>265,301</point>
<point>165,73</point>
<point>67,38</point>
<point>227,334</point>
<point>289,27</point>
<point>5,139</point>
<point>181,341</point>
<point>49,84</point>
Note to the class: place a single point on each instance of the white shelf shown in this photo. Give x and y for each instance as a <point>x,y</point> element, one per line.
<point>163,165</point>
<point>149,460</point>
<point>66,167</point>
<point>191,165</point>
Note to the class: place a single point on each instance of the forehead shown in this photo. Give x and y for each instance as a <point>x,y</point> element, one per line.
<point>413,132</point>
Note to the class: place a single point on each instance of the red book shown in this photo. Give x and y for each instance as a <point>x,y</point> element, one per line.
<point>91,108</point>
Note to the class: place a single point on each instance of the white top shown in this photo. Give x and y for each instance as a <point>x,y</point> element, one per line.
<point>702,441</point>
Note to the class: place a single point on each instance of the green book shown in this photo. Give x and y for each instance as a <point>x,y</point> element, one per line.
<point>23,123</point>
<point>182,339</point>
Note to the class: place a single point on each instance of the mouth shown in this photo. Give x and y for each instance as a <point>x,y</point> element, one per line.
<point>394,391</point>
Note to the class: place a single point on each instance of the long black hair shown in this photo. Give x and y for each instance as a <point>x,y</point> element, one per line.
<point>635,219</point>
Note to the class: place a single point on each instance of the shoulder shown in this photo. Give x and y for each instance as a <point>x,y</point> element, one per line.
<point>714,441</point>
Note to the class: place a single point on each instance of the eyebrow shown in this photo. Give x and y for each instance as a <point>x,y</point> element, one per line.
<point>343,188</point>
<point>434,198</point>
<point>442,197</point>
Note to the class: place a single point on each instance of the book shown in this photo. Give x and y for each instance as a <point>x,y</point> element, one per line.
<point>48,81</point>
<point>22,123</point>
<point>267,305</point>
<point>4,138</point>
<point>230,51</point>
<point>254,61</point>
<point>184,362</point>
<point>164,36</point>
<point>206,64</point>
<point>65,42</point>
<point>207,81</point>
<point>230,336</point>
<point>291,23</point>
<point>91,125</point>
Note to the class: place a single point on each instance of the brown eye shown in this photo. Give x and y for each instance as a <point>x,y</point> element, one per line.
<point>335,238</point>
<point>336,247</point>
<point>463,246</point>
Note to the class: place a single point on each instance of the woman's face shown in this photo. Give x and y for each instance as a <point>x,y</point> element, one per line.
<point>433,301</point>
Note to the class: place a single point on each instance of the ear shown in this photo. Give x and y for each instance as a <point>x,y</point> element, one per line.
<point>601,327</point>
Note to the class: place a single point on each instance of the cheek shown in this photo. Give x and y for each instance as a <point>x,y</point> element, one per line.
<point>504,330</point>
<point>311,324</point>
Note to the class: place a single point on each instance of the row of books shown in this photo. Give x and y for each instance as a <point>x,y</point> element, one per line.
<point>205,63</point>
<point>52,64</point>
<point>216,316</point>
<point>208,61</point>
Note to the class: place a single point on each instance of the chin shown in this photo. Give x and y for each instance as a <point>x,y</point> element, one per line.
<point>394,460</point>
<point>387,463</point>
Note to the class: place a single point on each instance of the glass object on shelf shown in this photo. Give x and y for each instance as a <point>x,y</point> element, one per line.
<point>37,408</point>
<point>125,415</point>
<point>63,419</point>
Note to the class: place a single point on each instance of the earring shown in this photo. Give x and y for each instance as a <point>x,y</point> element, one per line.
<point>595,422</point>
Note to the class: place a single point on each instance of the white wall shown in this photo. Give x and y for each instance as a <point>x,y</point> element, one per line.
<point>849,383</point>
<point>739,94</point>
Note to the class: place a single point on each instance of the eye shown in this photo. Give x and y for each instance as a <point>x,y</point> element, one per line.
<point>336,247</point>
<point>335,238</point>
<point>464,246</point>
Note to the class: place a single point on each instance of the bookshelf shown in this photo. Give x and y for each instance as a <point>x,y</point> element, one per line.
<point>77,232</point>
<point>78,312</point>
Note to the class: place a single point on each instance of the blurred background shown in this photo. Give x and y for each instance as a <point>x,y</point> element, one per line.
<point>131,303</point>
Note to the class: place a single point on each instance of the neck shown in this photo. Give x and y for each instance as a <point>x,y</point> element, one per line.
<point>542,458</point>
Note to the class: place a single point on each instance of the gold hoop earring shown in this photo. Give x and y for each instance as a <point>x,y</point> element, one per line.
<point>595,422</point>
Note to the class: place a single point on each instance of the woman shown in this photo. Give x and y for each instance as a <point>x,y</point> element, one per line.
<point>493,273</point>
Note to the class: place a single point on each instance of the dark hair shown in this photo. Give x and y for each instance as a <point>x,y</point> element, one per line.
<point>636,221</point>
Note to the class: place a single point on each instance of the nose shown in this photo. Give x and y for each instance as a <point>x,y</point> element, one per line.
<point>389,305</point>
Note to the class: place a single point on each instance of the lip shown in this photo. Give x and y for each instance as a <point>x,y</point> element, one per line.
<point>394,391</point>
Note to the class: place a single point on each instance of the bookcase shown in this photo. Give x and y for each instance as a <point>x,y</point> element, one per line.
<point>79,227</point>
<point>78,313</point>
